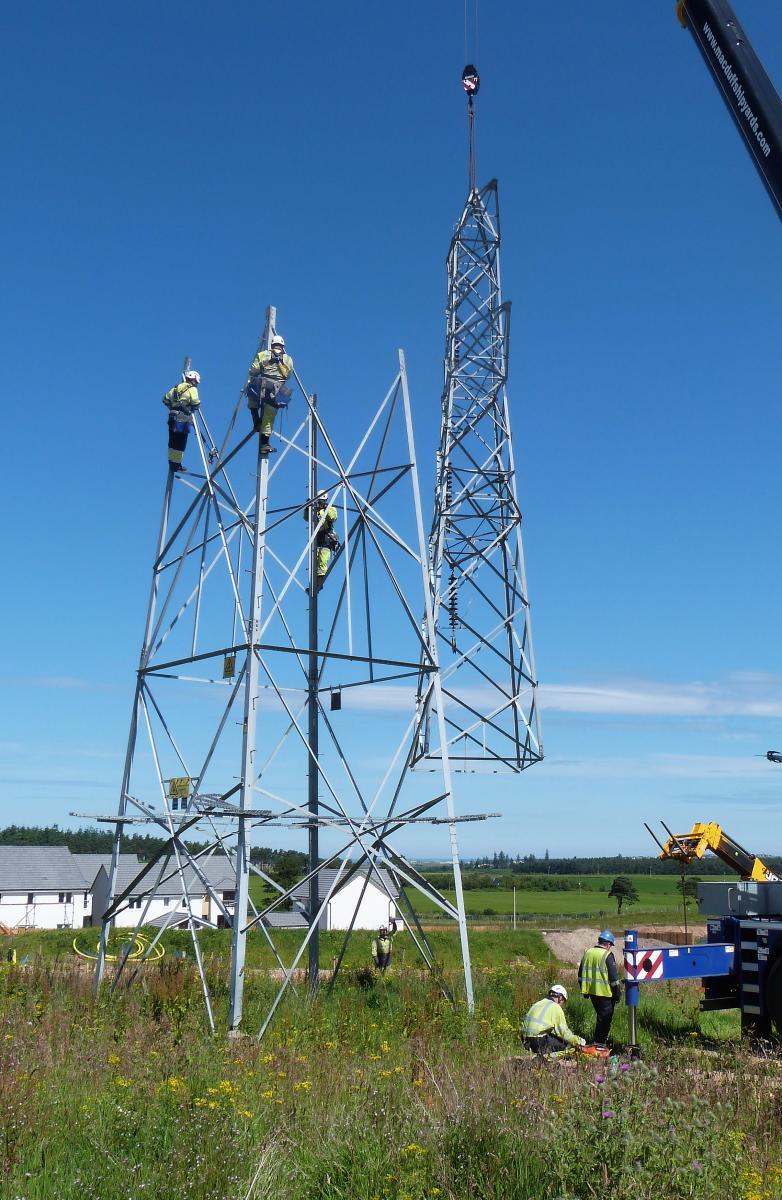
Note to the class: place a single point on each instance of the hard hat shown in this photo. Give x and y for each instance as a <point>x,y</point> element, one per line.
<point>277,340</point>
<point>557,989</point>
<point>323,496</point>
<point>606,936</point>
<point>192,377</point>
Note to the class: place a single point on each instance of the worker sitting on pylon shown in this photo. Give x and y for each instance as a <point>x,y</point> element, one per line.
<point>598,979</point>
<point>181,401</point>
<point>265,387</point>
<point>326,540</point>
<point>381,947</point>
<point>544,1028</point>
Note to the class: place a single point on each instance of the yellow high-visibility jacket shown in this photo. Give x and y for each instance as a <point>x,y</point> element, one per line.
<point>264,364</point>
<point>184,397</point>
<point>596,975</point>
<point>546,1016</point>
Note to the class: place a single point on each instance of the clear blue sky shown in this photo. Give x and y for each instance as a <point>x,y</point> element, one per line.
<point>172,169</point>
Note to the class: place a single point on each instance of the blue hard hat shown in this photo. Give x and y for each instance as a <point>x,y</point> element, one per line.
<point>606,936</point>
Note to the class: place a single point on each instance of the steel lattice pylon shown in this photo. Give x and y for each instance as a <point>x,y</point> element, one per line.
<point>477,580</point>
<point>230,727</point>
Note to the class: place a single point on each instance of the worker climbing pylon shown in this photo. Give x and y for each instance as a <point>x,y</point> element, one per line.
<point>181,401</point>
<point>326,540</point>
<point>266,388</point>
<point>381,946</point>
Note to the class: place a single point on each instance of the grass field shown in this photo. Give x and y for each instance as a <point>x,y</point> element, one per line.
<point>382,1092</point>
<point>658,900</point>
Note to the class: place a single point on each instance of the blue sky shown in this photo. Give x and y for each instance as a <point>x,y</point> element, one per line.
<point>171,170</point>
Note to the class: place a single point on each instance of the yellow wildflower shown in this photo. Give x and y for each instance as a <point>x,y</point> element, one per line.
<point>122,1082</point>
<point>113,1059</point>
<point>304,1086</point>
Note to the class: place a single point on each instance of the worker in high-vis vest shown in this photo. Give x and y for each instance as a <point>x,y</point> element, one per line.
<point>545,1029</point>
<point>381,946</point>
<point>598,979</point>
<point>181,401</point>
<point>326,540</point>
<point>266,388</point>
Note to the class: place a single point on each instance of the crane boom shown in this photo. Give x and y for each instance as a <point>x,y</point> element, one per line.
<point>750,95</point>
<point>685,847</point>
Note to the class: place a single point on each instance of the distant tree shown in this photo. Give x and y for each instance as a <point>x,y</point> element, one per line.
<point>623,890</point>
<point>687,887</point>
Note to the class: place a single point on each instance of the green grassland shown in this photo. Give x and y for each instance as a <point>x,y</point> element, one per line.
<point>383,1091</point>
<point>659,899</point>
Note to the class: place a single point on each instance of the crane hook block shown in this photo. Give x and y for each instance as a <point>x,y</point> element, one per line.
<point>471,80</point>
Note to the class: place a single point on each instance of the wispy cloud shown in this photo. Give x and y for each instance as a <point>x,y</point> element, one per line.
<point>57,683</point>
<point>739,695</point>
<point>743,694</point>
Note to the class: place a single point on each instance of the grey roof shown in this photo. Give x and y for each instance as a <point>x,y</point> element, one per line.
<point>177,919</point>
<point>89,864</point>
<point>285,920</point>
<point>217,870</point>
<point>40,869</point>
<point>328,875</point>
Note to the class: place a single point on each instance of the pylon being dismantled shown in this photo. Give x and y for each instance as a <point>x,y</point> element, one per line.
<point>243,668</point>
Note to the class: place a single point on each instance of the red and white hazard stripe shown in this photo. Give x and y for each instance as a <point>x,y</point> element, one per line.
<point>643,965</point>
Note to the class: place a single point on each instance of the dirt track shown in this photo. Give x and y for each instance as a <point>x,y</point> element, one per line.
<point>569,944</point>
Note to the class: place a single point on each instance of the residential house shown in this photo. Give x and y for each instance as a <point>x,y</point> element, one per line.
<point>376,906</point>
<point>42,887</point>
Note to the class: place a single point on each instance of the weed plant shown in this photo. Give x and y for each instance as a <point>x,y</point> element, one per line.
<point>382,1091</point>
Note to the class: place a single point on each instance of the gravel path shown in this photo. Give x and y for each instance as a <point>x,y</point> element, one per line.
<point>569,944</point>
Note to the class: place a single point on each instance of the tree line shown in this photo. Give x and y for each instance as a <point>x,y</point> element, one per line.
<point>618,864</point>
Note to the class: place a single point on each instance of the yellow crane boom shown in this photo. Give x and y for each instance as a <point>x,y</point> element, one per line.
<point>686,847</point>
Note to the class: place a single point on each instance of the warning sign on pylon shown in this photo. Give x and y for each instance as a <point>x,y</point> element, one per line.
<point>643,965</point>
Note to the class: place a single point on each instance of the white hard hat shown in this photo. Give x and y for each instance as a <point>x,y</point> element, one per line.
<point>323,496</point>
<point>277,340</point>
<point>192,377</point>
<point>557,989</point>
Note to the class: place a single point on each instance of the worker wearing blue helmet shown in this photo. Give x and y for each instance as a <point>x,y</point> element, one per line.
<point>598,979</point>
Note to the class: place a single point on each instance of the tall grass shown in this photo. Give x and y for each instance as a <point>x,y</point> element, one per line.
<point>380,1092</point>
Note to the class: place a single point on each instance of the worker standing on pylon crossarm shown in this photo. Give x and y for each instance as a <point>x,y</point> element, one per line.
<point>181,401</point>
<point>266,387</point>
<point>381,946</point>
<point>326,540</point>
<point>598,979</point>
<point>545,1029</point>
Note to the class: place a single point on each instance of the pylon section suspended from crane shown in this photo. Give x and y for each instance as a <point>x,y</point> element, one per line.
<point>250,661</point>
<point>477,578</point>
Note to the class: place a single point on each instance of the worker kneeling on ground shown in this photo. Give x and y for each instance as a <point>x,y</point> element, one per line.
<point>545,1029</point>
<point>265,387</point>
<point>326,540</point>
<point>598,979</point>
<point>181,401</point>
<point>381,946</point>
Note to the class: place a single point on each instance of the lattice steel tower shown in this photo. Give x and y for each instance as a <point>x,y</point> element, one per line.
<point>477,578</point>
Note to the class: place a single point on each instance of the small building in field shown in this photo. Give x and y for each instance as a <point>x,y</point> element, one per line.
<point>42,887</point>
<point>376,900</point>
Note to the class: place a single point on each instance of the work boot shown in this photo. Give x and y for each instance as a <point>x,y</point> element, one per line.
<point>177,467</point>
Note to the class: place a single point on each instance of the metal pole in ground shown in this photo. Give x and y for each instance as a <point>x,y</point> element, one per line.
<point>631,989</point>
<point>514,908</point>
<point>313,778</point>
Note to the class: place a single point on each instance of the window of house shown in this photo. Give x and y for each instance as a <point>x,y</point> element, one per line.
<point>31,897</point>
<point>166,901</point>
<point>68,897</point>
<point>184,903</point>
<point>61,898</point>
<point>229,897</point>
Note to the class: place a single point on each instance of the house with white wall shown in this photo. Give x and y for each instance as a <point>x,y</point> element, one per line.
<point>167,899</point>
<point>41,887</point>
<point>376,906</point>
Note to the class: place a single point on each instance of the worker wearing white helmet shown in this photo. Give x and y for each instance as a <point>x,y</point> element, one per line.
<point>181,401</point>
<point>544,1028</point>
<point>326,540</point>
<point>266,387</point>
